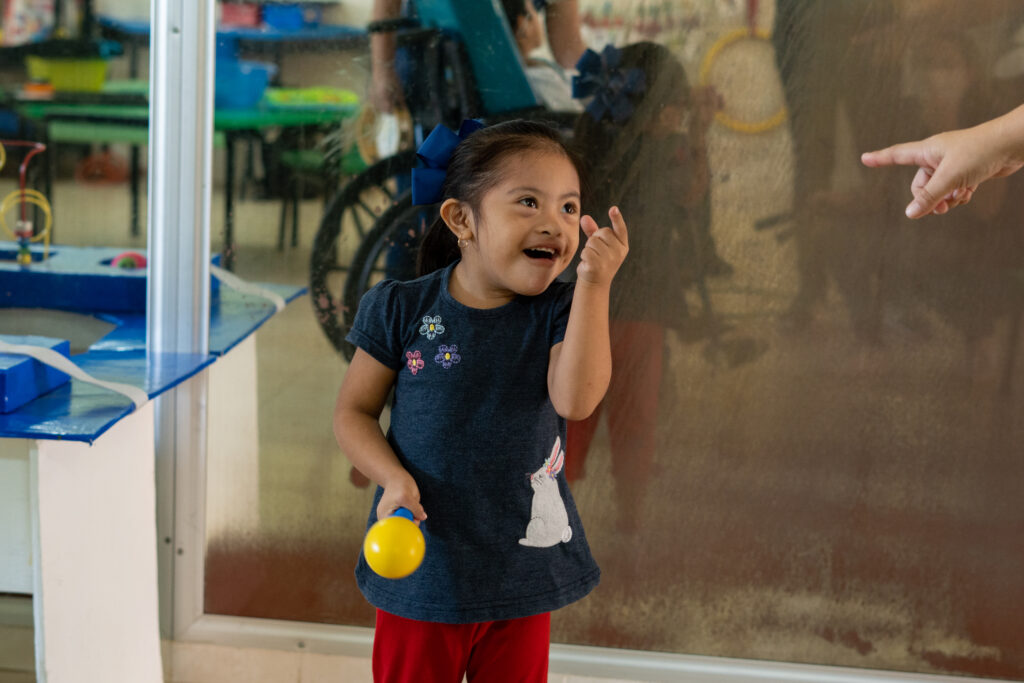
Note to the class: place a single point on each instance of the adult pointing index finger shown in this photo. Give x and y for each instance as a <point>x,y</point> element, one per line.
<point>903,154</point>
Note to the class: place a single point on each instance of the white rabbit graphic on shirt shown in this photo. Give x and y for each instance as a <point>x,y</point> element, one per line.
<point>549,522</point>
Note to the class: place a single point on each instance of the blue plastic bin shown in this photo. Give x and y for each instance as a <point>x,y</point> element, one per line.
<point>240,84</point>
<point>291,16</point>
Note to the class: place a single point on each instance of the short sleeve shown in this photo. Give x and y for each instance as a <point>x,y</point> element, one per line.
<point>560,304</point>
<point>376,329</point>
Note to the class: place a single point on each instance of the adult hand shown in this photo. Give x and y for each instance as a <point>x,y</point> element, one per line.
<point>951,165</point>
<point>605,249</point>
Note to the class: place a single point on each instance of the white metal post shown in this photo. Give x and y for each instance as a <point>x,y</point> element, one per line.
<point>177,316</point>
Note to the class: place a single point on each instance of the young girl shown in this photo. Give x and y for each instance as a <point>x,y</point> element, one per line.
<point>488,356</point>
<point>647,140</point>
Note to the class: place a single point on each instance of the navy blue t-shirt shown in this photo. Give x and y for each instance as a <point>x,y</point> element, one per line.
<point>473,425</point>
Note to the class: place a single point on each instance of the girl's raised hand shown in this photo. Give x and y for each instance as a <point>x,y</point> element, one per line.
<point>605,249</point>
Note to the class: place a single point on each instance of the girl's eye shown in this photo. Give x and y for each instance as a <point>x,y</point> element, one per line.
<point>529,201</point>
<point>570,208</point>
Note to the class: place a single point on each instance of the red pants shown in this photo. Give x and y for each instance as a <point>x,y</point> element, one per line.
<point>513,651</point>
<point>631,404</point>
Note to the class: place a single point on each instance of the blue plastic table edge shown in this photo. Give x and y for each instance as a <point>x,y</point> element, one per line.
<point>36,420</point>
<point>50,416</point>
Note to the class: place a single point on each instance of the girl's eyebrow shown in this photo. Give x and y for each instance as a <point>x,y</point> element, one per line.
<point>534,190</point>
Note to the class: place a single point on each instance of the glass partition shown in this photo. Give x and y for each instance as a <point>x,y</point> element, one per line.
<point>280,538</point>
<point>809,449</point>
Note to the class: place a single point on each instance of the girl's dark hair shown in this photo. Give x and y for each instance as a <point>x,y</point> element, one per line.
<point>608,144</point>
<point>476,166</point>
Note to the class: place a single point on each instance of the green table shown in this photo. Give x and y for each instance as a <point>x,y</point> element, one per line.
<point>124,119</point>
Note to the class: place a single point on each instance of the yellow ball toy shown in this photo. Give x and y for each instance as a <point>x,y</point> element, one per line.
<point>394,546</point>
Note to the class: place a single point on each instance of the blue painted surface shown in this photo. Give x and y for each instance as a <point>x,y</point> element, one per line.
<point>233,317</point>
<point>82,412</point>
<point>72,279</point>
<point>22,379</point>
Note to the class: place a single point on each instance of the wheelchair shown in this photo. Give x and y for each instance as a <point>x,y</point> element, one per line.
<point>370,229</point>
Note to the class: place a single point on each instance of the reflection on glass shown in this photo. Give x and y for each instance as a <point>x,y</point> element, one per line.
<point>809,450</point>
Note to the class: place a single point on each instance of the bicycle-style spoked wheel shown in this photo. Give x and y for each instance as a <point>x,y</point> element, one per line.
<point>348,220</point>
<point>388,252</point>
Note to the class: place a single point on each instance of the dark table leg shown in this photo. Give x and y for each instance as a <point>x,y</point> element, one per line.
<point>133,60</point>
<point>133,181</point>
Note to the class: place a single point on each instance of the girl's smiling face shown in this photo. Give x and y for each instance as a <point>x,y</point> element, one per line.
<point>524,232</point>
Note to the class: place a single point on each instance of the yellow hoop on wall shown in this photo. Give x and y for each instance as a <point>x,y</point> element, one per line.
<point>725,41</point>
<point>36,198</point>
<point>3,156</point>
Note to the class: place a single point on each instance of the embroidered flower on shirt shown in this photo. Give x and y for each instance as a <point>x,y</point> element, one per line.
<point>431,326</point>
<point>447,356</point>
<point>414,360</point>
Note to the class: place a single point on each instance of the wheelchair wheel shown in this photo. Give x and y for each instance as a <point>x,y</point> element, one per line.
<point>348,220</point>
<point>388,252</point>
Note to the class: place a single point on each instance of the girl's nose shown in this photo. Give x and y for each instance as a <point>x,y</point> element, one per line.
<point>551,218</point>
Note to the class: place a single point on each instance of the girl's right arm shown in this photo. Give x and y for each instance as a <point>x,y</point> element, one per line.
<point>361,399</point>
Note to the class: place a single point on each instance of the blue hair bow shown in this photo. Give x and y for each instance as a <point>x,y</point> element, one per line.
<point>434,154</point>
<point>610,86</point>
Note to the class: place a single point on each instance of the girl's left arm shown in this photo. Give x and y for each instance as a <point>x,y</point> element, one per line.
<point>580,366</point>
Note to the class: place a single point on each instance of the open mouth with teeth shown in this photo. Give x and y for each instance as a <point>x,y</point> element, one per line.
<point>541,253</point>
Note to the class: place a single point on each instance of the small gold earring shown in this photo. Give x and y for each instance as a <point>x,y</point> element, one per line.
<point>463,243</point>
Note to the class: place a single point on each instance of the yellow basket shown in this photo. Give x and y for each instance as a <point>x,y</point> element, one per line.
<point>79,75</point>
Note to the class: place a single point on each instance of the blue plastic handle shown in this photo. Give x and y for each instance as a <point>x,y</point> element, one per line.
<point>403,512</point>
